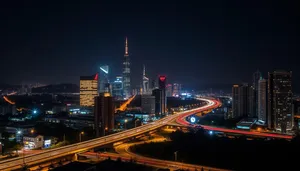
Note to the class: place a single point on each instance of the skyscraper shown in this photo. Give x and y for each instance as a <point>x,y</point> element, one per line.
<point>280,108</point>
<point>117,88</point>
<point>104,114</point>
<point>126,72</point>
<point>104,79</point>
<point>256,77</point>
<point>162,86</point>
<point>88,90</point>
<point>145,81</point>
<point>157,93</point>
<point>262,100</point>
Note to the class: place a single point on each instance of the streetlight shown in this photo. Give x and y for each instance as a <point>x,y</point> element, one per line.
<point>125,123</point>
<point>80,134</point>
<point>175,155</point>
<point>32,131</point>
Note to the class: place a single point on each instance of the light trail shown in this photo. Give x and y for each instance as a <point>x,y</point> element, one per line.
<point>182,120</point>
<point>124,105</point>
<point>8,101</point>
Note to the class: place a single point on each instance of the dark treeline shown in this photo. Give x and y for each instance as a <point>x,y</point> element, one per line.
<point>237,154</point>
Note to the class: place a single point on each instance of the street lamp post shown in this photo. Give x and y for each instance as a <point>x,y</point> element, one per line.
<point>175,155</point>
<point>80,134</point>
<point>125,123</point>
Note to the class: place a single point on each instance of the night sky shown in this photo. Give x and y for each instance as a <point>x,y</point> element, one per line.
<point>201,44</point>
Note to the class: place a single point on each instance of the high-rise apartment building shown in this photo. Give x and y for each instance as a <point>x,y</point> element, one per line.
<point>126,72</point>
<point>243,101</point>
<point>280,108</point>
<point>262,100</point>
<point>256,77</point>
<point>88,90</point>
<point>104,114</point>
<point>235,101</point>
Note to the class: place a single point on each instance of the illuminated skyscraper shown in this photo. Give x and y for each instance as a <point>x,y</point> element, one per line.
<point>88,90</point>
<point>126,72</point>
<point>117,88</point>
<point>145,82</point>
<point>104,79</point>
<point>262,100</point>
<point>280,108</point>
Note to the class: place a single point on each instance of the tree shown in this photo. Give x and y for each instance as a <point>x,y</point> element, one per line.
<point>17,147</point>
<point>5,135</point>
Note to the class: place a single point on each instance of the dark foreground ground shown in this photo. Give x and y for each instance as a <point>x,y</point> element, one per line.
<point>198,147</point>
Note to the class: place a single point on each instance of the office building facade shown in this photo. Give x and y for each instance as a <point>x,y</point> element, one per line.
<point>148,104</point>
<point>262,100</point>
<point>280,108</point>
<point>88,90</point>
<point>104,114</point>
<point>117,88</point>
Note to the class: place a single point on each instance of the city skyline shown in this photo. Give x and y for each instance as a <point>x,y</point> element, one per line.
<point>189,47</point>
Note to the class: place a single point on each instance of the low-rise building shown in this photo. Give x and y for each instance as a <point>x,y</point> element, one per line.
<point>33,141</point>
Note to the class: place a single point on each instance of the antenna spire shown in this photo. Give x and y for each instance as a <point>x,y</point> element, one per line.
<point>126,47</point>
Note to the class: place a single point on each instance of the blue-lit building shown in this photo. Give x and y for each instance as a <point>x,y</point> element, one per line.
<point>117,88</point>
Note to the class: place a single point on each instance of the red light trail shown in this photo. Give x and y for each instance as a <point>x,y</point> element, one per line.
<point>182,120</point>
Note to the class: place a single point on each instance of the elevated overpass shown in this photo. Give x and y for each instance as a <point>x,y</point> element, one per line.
<point>50,154</point>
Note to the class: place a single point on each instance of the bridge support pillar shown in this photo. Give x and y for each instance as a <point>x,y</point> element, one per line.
<point>75,157</point>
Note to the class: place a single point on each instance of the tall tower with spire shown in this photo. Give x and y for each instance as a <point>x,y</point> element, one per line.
<point>126,72</point>
<point>145,81</point>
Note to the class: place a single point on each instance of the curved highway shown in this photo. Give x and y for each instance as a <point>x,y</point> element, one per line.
<point>16,163</point>
<point>182,120</point>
